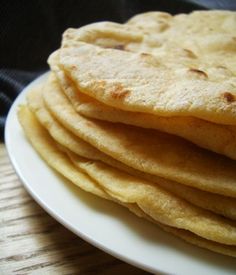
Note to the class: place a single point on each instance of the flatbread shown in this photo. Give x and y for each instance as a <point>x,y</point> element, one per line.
<point>204,29</point>
<point>41,141</point>
<point>161,80</point>
<point>195,130</point>
<point>124,69</point>
<point>203,37</point>
<point>219,204</point>
<point>56,130</point>
<point>59,161</point>
<point>157,203</point>
<point>37,134</point>
<point>148,151</point>
<point>132,82</point>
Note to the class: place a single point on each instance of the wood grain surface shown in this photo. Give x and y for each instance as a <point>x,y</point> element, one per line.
<point>32,242</point>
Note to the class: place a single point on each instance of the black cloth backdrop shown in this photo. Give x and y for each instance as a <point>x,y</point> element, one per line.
<point>31,30</point>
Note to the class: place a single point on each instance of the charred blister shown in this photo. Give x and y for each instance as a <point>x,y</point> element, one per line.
<point>198,73</point>
<point>229,97</point>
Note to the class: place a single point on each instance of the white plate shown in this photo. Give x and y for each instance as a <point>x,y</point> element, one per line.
<point>102,223</point>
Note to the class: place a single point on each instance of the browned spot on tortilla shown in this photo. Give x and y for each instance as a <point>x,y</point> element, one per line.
<point>234,38</point>
<point>190,53</point>
<point>229,97</point>
<point>119,47</point>
<point>119,92</point>
<point>145,54</point>
<point>199,72</point>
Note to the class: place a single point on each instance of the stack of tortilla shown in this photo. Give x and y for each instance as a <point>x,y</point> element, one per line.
<point>144,114</point>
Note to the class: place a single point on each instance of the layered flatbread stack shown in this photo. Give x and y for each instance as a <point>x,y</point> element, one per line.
<point>144,114</point>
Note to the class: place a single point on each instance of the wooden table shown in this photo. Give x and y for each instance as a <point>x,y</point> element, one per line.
<point>32,242</point>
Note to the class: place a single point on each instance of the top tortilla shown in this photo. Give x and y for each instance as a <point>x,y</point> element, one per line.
<point>196,130</point>
<point>156,73</point>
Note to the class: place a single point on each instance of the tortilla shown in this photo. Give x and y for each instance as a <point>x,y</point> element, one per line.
<point>219,204</point>
<point>159,204</point>
<point>37,134</point>
<point>155,73</point>
<point>197,22</point>
<point>201,242</point>
<point>204,37</point>
<point>49,151</point>
<point>56,130</point>
<point>56,158</point>
<point>104,34</point>
<point>148,151</point>
<point>59,161</point>
<point>143,76</point>
<point>200,132</point>
<point>141,82</point>
<point>195,130</point>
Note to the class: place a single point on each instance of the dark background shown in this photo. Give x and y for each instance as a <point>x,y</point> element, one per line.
<point>31,30</point>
